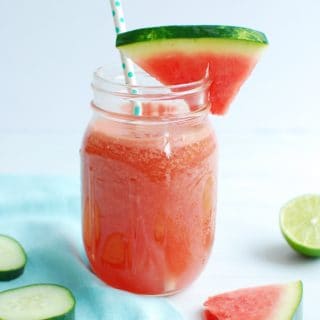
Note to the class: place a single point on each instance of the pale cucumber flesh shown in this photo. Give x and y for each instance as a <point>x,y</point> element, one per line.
<point>37,302</point>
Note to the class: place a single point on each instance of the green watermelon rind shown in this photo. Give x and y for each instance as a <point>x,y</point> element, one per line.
<point>191,32</point>
<point>294,296</point>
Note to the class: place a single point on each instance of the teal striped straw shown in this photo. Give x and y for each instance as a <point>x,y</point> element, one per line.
<point>127,65</point>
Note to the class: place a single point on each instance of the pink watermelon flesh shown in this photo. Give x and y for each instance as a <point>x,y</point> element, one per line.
<point>209,316</point>
<point>228,72</point>
<point>259,303</point>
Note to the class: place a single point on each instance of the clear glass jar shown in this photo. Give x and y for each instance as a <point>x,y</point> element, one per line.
<point>148,184</point>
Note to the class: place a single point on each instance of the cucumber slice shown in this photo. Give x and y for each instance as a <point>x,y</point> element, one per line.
<point>12,258</point>
<point>37,302</point>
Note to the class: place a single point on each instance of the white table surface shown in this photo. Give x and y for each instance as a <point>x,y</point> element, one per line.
<point>258,172</point>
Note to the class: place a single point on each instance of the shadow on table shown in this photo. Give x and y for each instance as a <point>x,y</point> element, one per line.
<point>282,254</point>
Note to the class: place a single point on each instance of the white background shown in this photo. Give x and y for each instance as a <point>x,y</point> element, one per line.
<point>48,50</point>
<point>269,142</point>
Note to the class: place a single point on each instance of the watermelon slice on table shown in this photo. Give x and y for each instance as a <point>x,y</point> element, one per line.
<point>272,302</point>
<point>182,54</point>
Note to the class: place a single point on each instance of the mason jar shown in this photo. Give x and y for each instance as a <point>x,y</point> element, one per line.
<point>148,183</point>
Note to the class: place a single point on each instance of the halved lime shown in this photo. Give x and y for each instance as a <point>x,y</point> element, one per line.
<point>300,224</point>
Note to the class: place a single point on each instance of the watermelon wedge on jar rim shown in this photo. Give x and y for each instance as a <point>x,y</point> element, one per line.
<point>182,54</point>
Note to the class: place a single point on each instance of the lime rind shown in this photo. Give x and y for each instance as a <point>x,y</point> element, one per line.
<point>300,224</point>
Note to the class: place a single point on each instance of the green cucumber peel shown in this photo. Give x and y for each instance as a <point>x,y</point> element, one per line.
<point>13,258</point>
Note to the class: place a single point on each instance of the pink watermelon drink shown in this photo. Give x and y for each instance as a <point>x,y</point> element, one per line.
<point>149,182</point>
<point>149,193</point>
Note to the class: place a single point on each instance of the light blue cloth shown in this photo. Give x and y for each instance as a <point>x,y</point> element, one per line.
<point>43,213</point>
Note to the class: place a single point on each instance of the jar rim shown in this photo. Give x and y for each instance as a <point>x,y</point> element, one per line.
<point>114,83</point>
<point>167,102</point>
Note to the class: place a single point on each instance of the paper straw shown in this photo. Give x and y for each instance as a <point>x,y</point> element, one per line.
<point>127,65</point>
